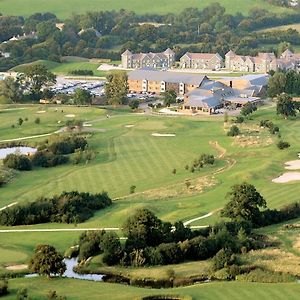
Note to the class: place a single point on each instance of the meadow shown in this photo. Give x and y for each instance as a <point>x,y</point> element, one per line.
<point>64,9</point>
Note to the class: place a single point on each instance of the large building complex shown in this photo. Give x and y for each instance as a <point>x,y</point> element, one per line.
<point>164,60</point>
<point>205,61</point>
<point>201,95</point>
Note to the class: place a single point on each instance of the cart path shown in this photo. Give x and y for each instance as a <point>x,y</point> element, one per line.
<point>9,205</point>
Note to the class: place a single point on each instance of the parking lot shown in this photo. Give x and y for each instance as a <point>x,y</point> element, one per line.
<point>68,86</point>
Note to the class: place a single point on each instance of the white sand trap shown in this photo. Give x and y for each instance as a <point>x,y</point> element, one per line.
<point>287,177</point>
<point>87,125</point>
<point>293,165</point>
<point>70,116</point>
<point>129,125</point>
<point>16,267</point>
<point>163,134</point>
<point>41,112</point>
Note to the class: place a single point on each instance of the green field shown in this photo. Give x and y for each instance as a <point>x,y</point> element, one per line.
<point>79,289</point>
<point>128,156</point>
<point>66,8</point>
<point>64,68</point>
<point>295,26</point>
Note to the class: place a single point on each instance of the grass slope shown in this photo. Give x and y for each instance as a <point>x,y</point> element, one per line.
<point>63,68</point>
<point>80,289</point>
<point>64,9</point>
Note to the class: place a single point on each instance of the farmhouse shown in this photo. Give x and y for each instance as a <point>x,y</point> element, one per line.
<point>164,59</point>
<point>205,61</point>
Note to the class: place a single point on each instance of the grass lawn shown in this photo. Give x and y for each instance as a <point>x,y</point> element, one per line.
<point>64,9</point>
<point>295,26</point>
<point>65,68</point>
<point>80,289</point>
<point>132,156</point>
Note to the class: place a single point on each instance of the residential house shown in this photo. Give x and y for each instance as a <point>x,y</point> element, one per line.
<point>164,60</point>
<point>205,61</point>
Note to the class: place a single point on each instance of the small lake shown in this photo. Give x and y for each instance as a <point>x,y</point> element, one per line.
<point>69,273</point>
<point>19,150</point>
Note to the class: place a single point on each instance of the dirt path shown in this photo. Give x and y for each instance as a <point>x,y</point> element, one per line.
<point>9,205</point>
<point>58,230</point>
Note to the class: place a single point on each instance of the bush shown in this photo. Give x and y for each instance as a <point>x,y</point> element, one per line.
<point>265,276</point>
<point>283,145</point>
<point>82,72</point>
<point>3,287</point>
<point>17,162</point>
<point>69,207</point>
<point>47,159</point>
<point>239,119</point>
<point>223,258</point>
<point>233,131</point>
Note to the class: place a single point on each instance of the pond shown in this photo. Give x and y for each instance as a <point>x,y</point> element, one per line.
<point>69,273</point>
<point>17,150</point>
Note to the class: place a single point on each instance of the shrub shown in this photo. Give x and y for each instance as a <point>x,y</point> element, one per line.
<point>37,121</point>
<point>17,162</point>
<point>223,258</point>
<point>265,276</point>
<point>47,159</point>
<point>82,72</point>
<point>233,131</point>
<point>3,287</point>
<point>239,119</point>
<point>283,145</point>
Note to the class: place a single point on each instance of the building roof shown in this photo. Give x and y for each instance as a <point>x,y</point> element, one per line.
<point>171,77</point>
<point>206,56</point>
<point>127,52</point>
<point>203,101</point>
<point>256,79</point>
<point>169,52</point>
<point>230,53</point>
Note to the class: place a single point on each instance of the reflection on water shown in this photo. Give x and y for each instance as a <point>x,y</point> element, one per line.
<point>17,150</point>
<point>69,273</point>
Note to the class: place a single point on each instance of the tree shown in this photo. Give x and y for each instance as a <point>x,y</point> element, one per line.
<point>111,247</point>
<point>285,106</point>
<point>283,145</point>
<point>169,97</point>
<point>248,109</point>
<point>37,77</point>
<point>233,131</point>
<point>47,261</point>
<point>20,121</point>
<point>11,89</point>
<point>116,88</point>
<point>17,162</point>
<point>37,120</point>
<point>276,84</point>
<point>134,104</point>
<point>244,203</point>
<point>82,97</point>
<point>223,258</point>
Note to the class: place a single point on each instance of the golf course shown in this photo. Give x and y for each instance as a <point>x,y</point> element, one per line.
<point>143,150</point>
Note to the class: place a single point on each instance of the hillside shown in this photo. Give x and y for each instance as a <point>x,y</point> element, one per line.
<point>65,8</point>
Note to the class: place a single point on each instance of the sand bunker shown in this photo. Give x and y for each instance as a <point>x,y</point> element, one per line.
<point>70,116</point>
<point>293,165</point>
<point>41,112</point>
<point>287,177</point>
<point>87,125</point>
<point>129,126</point>
<point>163,134</point>
<point>16,267</point>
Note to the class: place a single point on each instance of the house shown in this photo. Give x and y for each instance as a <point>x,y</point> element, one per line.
<point>164,59</point>
<point>152,81</point>
<point>262,63</point>
<point>92,30</point>
<point>205,61</point>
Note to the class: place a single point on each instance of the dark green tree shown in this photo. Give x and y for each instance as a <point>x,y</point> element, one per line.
<point>276,84</point>
<point>47,261</point>
<point>82,97</point>
<point>248,109</point>
<point>37,77</point>
<point>116,88</point>
<point>169,97</point>
<point>10,88</point>
<point>285,106</point>
<point>244,203</point>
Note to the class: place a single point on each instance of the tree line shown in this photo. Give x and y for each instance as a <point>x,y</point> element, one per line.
<point>151,241</point>
<point>68,207</point>
<point>97,34</point>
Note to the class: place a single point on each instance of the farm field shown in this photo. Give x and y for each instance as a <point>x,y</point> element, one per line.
<point>80,289</point>
<point>64,9</point>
